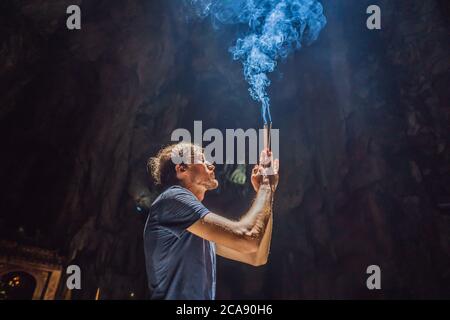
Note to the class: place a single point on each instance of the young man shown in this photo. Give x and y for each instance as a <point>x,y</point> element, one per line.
<point>182,237</point>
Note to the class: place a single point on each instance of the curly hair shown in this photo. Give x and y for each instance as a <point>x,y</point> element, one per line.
<point>161,167</point>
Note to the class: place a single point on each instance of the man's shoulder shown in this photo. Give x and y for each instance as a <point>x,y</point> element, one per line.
<point>172,193</point>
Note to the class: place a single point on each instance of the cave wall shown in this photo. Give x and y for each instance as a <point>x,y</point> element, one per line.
<point>364,125</point>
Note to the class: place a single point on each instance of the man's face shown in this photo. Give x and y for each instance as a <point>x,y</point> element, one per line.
<point>202,173</point>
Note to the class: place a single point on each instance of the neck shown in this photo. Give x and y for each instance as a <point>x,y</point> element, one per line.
<point>198,191</point>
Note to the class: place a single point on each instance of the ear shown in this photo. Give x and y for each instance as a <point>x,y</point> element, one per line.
<point>180,170</point>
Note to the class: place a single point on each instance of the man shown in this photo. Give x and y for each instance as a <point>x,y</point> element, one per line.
<point>182,237</point>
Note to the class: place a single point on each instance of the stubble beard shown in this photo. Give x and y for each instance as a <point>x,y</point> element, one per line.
<point>211,184</point>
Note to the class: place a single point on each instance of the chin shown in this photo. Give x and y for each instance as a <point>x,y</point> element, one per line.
<point>213,185</point>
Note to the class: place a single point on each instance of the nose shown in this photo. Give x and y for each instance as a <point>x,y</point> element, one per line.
<point>210,166</point>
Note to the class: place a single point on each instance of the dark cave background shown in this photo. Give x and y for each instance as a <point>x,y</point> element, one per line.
<point>364,130</point>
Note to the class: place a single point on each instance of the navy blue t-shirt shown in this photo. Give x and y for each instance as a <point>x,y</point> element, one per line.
<point>180,265</point>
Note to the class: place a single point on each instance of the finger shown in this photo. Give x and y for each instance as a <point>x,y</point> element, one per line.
<point>263,153</point>
<point>260,170</point>
<point>264,160</point>
<point>276,166</point>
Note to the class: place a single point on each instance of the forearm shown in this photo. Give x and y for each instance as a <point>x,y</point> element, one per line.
<point>257,258</point>
<point>245,235</point>
<point>255,220</point>
<point>262,254</point>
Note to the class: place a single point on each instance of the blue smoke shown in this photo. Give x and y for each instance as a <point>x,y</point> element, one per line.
<point>276,28</point>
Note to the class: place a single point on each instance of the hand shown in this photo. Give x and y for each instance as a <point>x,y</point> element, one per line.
<point>266,172</point>
<point>256,177</point>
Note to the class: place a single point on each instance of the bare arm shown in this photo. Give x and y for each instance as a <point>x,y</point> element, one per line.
<point>261,256</point>
<point>247,240</point>
<point>257,258</point>
<point>245,235</point>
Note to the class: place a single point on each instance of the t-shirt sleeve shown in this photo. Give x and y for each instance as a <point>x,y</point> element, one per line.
<point>181,210</point>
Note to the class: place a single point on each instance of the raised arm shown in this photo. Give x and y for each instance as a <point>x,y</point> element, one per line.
<point>243,236</point>
<point>257,258</point>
